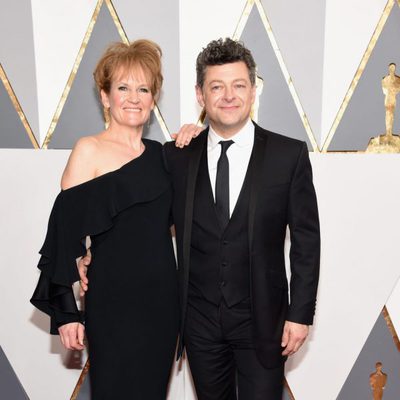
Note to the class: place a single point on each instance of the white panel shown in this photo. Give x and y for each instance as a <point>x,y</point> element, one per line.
<point>59,28</point>
<point>359,227</point>
<point>201,22</point>
<point>176,388</point>
<point>393,307</point>
<point>349,27</point>
<point>30,180</point>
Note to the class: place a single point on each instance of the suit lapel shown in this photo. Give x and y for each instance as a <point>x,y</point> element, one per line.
<point>193,168</point>
<point>256,174</point>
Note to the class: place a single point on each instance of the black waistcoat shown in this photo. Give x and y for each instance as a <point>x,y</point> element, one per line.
<point>219,260</point>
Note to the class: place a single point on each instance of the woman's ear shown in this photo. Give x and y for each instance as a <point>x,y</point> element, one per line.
<point>104,99</point>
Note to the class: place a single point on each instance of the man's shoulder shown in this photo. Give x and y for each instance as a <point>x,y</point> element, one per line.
<point>176,152</point>
<point>281,141</point>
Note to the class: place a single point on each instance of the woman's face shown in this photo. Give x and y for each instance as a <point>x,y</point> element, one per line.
<point>130,100</point>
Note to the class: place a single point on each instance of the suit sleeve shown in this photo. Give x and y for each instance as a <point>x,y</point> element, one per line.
<point>305,242</point>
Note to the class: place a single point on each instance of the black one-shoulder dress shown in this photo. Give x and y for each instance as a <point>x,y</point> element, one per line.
<point>131,310</point>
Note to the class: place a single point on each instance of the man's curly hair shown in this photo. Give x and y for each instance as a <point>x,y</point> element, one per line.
<point>224,51</point>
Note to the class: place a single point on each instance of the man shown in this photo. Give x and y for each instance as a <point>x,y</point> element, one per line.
<point>236,189</point>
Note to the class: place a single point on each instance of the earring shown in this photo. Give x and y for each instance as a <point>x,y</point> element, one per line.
<point>106,114</point>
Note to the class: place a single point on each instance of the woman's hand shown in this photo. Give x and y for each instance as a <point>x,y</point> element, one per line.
<point>72,335</point>
<point>186,133</point>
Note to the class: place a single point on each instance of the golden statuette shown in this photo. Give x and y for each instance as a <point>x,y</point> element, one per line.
<point>388,143</point>
<point>377,381</point>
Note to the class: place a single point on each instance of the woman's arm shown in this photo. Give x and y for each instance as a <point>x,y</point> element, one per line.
<point>80,168</point>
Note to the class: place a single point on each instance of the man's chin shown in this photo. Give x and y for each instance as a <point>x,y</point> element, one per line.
<point>228,127</point>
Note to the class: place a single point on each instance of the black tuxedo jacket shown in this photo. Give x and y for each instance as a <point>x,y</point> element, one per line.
<point>282,194</point>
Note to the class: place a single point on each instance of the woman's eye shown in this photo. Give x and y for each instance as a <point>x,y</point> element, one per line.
<point>122,88</point>
<point>144,90</point>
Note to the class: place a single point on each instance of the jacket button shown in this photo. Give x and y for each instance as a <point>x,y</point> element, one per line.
<point>224,264</point>
<point>225,242</point>
<point>223,283</point>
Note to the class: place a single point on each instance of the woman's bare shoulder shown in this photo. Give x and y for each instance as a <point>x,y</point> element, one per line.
<point>82,162</point>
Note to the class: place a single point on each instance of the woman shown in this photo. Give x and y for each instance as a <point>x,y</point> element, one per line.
<point>115,190</point>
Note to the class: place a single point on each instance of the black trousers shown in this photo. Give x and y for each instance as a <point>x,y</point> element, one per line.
<point>222,357</point>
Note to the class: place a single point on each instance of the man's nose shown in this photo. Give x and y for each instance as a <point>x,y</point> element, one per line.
<point>229,94</point>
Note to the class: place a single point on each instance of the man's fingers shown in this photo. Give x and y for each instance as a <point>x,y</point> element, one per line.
<point>83,283</point>
<point>288,349</point>
<point>87,260</point>
<point>298,345</point>
<point>294,335</point>
<point>285,337</point>
<point>293,345</point>
<point>82,288</point>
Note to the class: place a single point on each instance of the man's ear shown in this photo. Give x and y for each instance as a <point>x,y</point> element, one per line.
<point>199,95</point>
<point>104,99</point>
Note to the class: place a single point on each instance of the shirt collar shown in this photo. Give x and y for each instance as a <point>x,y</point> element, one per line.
<point>242,138</point>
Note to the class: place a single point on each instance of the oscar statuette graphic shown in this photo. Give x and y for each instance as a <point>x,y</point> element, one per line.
<point>377,381</point>
<point>388,142</point>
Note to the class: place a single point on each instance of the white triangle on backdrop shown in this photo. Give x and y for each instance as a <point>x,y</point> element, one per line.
<point>59,29</point>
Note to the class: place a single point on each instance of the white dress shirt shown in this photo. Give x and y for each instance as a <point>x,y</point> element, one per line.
<point>238,155</point>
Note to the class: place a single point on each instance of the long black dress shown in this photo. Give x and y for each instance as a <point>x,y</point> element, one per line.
<point>132,312</point>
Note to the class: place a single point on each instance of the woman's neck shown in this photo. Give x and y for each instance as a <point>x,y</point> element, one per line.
<point>131,137</point>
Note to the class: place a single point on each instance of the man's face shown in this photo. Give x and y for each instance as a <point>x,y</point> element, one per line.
<point>227,96</point>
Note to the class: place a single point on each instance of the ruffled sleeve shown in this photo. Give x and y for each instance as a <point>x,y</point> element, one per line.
<point>86,210</point>
<point>53,294</point>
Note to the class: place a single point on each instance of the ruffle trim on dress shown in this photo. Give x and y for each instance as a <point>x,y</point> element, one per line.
<point>89,209</point>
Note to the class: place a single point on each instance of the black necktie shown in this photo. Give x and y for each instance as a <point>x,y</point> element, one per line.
<point>222,184</point>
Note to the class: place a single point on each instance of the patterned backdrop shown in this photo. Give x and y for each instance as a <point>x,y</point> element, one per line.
<point>320,66</point>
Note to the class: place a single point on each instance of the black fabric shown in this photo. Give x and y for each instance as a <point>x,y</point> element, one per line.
<point>222,184</point>
<point>219,257</point>
<point>132,303</point>
<point>222,355</point>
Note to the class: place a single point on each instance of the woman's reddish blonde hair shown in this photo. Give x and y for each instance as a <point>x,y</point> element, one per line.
<point>123,58</point>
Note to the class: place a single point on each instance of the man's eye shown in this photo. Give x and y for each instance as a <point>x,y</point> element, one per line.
<point>240,86</point>
<point>217,87</point>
